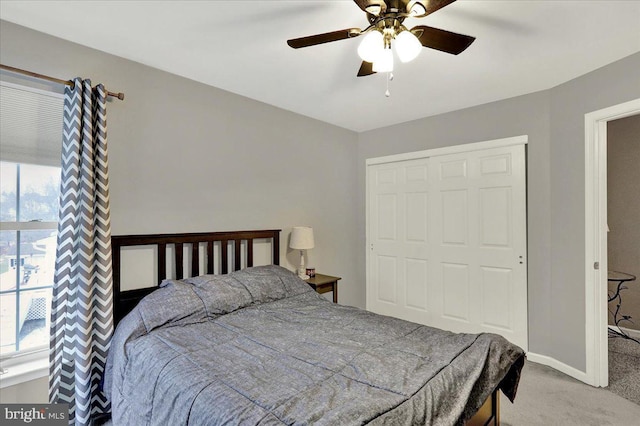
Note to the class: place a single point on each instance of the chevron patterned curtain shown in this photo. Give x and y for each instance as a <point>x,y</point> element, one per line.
<point>81,313</point>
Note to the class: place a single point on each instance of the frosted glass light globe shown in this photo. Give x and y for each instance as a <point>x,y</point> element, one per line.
<point>371,46</point>
<point>384,61</point>
<point>407,46</point>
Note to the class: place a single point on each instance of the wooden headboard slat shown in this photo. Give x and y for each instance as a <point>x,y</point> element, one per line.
<point>250,253</point>
<point>276,251</point>
<point>237,244</point>
<point>224,257</point>
<point>195,259</point>
<point>179,254</point>
<point>210,257</point>
<point>124,301</point>
<point>162,261</point>
<point>115,264</point>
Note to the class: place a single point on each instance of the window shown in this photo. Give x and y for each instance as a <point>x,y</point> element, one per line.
<point>28,215</point>
<point>31,139</point>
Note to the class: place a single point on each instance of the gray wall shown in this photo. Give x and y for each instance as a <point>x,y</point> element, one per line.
<point>554,121</point>
<point>623,216</point>
<point>524,115</point>
<point>611,85</point>
<point>34,391</point>
<point>186,157</point>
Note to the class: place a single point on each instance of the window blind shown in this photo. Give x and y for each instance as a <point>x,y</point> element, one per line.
<point>30,125</point>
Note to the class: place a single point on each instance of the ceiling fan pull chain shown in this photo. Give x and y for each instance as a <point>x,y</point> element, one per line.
<point>389,78</point>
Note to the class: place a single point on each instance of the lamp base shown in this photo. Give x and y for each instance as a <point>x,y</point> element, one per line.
<point>302,270</point>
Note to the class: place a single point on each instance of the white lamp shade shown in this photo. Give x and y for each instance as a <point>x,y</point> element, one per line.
<point>384,62</point>
<point>301,238</point>
<point>407,46</point>
<point>371,46</point>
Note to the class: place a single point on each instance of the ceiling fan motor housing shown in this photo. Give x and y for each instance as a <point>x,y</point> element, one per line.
<point>375,8</point>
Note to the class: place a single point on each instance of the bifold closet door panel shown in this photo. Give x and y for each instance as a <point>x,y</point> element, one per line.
<point>399,249</point>
<point>447,241</point>
<point>478,229</point>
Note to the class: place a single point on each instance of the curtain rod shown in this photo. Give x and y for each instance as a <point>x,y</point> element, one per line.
<point>119,95</point>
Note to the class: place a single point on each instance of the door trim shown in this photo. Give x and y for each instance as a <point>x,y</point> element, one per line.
<point>454,149</point>
<point>596,319</point>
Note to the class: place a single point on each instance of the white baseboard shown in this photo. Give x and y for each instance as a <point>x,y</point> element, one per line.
<point>560,366</point>
<point>567,369</point>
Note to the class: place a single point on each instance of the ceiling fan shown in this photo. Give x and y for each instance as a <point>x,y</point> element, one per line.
<point>385,27</point>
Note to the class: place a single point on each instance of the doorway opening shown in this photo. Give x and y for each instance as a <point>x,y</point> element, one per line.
<point>623,249</point>
<point>596,263</point>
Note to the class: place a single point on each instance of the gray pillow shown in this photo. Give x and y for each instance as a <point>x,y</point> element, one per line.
<point>271,282</point>
<point>220,294</point>
<point>174,302</point>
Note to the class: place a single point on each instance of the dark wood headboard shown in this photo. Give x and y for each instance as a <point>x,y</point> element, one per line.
<point>125,301</point>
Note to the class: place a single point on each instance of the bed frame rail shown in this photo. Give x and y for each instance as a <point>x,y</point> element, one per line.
<point>489,413</point>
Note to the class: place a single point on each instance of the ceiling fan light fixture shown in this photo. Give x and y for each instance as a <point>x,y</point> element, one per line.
<point>373,9</point>
<point>384,61</point>
<point>371,46</point>
<point>386,28</point>
<point>416,8</point>
<point>407,46</point>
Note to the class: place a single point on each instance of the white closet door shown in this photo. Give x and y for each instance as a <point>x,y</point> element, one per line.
<point>478,224</point>
<point>399,246</point>
<point>447,241</point>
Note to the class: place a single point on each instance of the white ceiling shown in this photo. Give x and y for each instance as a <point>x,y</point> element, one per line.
<point>240,46</point>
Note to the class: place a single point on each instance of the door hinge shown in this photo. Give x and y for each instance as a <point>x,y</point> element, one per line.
<point>596,265</point>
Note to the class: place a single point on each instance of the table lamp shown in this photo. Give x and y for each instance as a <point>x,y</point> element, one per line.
<point>302,239</point>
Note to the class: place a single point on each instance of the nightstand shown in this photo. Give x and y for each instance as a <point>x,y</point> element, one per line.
<point>324,284</point>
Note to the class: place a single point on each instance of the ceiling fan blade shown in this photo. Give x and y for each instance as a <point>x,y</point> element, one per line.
<point>433,5</point>
<point>366,69</point>
<point>442,40</point>
<point>297,43</point>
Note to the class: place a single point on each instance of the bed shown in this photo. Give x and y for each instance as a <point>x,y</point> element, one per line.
<point>227,342</point>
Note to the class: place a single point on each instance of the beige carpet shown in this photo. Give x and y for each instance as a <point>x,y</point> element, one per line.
<point>624,368</point>
<point>547,397</point>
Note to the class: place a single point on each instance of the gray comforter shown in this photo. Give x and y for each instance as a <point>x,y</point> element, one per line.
<point>260,347</point>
